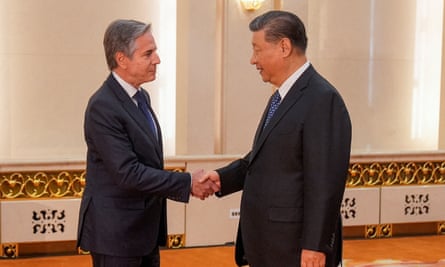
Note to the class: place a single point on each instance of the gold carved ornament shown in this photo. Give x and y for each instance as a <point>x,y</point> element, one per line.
<point>42,184</point>
<point>57,184</point>
<point>395,173</point>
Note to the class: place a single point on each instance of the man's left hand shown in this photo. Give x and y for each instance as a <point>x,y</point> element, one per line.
<point>311,258</point>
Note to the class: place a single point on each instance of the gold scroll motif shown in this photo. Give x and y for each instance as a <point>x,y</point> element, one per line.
<point>441,228</point>
<point>396,173</point>
<point>378,231</point>
<point>385,230</point>
<point>176,241</point>
<point>57,184</point>
<point>46,184</point>
<point>52,184</point>
<point>371,231</point>
<point>9,250</point>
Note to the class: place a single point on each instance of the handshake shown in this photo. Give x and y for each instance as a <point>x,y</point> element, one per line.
<point>205,184</point>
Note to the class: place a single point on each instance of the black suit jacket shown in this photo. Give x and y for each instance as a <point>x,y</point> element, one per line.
<point>123,208</point>
<point>294,178</point>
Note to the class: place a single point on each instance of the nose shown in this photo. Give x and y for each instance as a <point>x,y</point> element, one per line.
<point>253,59</point>
<point>156,59</point>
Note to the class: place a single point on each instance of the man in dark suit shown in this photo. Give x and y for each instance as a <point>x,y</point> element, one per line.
<point>294,177</point>
<point>122,218</point>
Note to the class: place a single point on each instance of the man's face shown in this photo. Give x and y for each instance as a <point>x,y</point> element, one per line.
<point>267,58</point>
<point>141,67</point>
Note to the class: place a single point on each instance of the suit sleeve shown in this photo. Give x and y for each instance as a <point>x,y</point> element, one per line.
<point>108,141</point>
<point>233,176</point>
<point>326,151</point>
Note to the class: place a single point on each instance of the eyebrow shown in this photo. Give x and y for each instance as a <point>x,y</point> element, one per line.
<point>150,50</point>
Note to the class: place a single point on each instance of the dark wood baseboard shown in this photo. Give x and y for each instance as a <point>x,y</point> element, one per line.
<point>39,249</point>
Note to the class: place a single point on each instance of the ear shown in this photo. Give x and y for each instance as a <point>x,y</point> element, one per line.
<point>121,60</point>
<point>286,47</point>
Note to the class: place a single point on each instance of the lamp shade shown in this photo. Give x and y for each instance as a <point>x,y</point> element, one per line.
<point>251,4</point>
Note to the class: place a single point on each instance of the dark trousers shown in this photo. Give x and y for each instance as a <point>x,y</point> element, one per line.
<point>151,260</point>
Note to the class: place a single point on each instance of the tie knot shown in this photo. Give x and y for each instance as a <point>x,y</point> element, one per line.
<point>139,97</point>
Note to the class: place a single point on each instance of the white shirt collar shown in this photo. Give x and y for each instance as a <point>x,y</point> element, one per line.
<point>131,91</point>
<point>285,87</point>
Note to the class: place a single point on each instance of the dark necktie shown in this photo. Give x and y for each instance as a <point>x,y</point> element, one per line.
<point>143,106</point>
<point>274,103</point>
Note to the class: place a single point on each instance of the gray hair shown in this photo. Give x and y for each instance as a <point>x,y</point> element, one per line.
<point>281,24</point>
<point>120,37</point>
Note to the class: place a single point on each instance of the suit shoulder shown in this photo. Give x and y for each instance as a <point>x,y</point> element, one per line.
<point>324,95</point>
<point>321,84</point>
<point>102,96</point>
<point>102,105</point>
<point>321,87</point>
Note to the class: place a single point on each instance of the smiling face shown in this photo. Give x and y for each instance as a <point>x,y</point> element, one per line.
<point>141,66</point>
<point>268,58</point>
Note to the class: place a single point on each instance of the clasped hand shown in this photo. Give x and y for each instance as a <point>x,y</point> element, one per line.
<point>205,184</point>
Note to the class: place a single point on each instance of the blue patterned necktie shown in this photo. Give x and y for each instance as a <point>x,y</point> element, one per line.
<point>143,107</point>
<point>274,103</point>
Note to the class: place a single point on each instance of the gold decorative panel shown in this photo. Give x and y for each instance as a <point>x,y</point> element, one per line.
<point>396,173</point>
<point>441,228</point>
<point>371,231</point>
<point>378,231</point>
<point>52,184</point>
<point>9,250</point>
<point>176,241</point>
<point>47,184</point>
<point>385,230</point>
<point>68,183</point>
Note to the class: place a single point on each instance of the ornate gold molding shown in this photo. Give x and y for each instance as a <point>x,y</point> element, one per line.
<point>176,241</point>
<point>9,250</point>
<point>47,184</point>
<point>53,184</point>
<point>441,228</point>
<point>371,231</point>
<point>396,173</point>
<point>385,230</point>
<point>71,183</point>
<point>378,231</point>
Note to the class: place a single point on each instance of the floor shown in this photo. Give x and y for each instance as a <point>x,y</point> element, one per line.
<point>427,249</point>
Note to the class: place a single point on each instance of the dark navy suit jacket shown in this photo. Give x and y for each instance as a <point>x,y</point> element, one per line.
<point>123,208</point>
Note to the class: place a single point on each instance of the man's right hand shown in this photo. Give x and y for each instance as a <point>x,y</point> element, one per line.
<point>203,186</point>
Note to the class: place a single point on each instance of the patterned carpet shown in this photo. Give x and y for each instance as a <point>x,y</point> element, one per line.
<point>395,263</point>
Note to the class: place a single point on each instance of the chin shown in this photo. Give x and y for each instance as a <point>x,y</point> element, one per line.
<point>266,80</point>
<point>151,78</point>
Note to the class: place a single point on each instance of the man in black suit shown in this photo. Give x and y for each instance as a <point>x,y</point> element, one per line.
<point>294,177</point>
<point>122,218</point>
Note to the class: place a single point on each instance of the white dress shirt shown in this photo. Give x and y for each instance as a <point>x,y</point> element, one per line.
<point>285,87</point>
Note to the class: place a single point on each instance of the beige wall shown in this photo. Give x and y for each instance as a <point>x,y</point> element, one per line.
<point>442,96</point>
<point>376,57</point>
<point>51,61</point>
<point>196,76</point>
<point>385,58</point>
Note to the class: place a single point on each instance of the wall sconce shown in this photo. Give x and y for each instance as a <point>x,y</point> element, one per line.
<point>251,5</point>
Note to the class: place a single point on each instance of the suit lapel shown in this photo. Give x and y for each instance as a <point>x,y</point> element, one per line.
<point>133,111</point>
<point>294,94</point>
